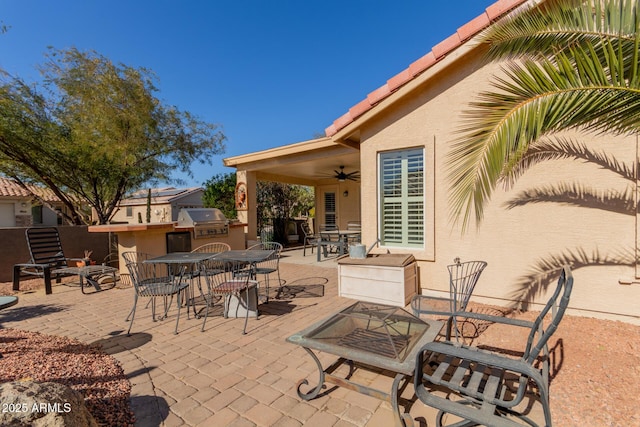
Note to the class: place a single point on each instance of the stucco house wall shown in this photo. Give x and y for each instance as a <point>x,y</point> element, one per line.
<point>515,240</point>
<point>163,208</point>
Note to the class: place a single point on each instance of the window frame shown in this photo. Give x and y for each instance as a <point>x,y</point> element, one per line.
<point>407,239</point>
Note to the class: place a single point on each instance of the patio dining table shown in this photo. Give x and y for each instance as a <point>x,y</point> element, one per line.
<point>337,238</point>
<point>176,259</point>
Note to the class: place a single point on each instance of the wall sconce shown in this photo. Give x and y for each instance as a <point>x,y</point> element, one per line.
<point>23,204</point>
<point>345,194</point>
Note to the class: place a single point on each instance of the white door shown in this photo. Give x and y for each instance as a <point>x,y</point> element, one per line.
<point>7,215</point>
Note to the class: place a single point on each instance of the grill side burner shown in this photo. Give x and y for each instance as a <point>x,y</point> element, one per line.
<point>204,222</point>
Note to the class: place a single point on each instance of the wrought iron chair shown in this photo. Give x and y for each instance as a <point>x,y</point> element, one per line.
<point>309,238</point>
<point>149,283</point>
<point>354,226</point>
<point>207,267</point>
<point>329,243</point>
<point>239,291</point>
<point>485,387</point>
<point>463,277</point>
<point>271,265</point>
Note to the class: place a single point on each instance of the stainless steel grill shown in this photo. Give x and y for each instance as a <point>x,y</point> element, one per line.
<point>204,222</point>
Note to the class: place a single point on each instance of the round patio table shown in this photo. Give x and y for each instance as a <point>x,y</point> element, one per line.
<point>7,301</point>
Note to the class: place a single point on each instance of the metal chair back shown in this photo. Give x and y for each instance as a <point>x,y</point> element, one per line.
<point>45,247</point>
<point>228,280</point>
<point>212,248</point>
<point>270,265</point>
<point>132,256</point>
<point>463,277</point>
<point>310,239</point>
<point>150,281</point>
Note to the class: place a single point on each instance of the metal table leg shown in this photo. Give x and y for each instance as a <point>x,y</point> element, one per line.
<point>326,376</point>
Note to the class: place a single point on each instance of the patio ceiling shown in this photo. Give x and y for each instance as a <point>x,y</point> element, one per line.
<point>305,163</point>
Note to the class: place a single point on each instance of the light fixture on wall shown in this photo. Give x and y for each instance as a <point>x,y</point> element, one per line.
<point>345,194</point>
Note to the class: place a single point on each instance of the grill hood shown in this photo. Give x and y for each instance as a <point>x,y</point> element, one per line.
<point>205,222</point>
<point>193,217</point>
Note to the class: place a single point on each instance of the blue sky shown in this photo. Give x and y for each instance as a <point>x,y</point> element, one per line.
<point>270,72</point>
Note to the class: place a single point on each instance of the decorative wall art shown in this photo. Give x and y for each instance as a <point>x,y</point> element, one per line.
<point>241,196</point>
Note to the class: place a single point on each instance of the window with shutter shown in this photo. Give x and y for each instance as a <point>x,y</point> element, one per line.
<point>402,198</point>
<point>330,208</point>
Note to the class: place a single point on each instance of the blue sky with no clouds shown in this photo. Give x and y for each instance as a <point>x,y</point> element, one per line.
<point>270,72</point>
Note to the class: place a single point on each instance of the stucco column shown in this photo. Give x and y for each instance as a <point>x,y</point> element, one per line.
<point>249,215</point>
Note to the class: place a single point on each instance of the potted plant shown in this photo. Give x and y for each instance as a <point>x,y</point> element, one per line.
<point>86,260</point>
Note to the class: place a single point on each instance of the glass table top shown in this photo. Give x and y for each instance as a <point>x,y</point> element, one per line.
<point>377,334</point>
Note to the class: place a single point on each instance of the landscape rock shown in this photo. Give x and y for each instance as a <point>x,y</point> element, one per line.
<point>29,403</point>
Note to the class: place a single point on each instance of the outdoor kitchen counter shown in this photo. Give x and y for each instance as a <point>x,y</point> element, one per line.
<point>114,228</point>
<point>151,238</point>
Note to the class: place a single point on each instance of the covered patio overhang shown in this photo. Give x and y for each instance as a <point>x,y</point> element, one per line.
<point>312,163</point>
<point>304,163</point>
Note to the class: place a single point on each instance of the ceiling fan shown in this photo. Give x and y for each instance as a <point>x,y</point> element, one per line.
<point>342,176</point>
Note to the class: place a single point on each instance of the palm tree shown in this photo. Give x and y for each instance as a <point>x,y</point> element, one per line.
<point>570,64</point>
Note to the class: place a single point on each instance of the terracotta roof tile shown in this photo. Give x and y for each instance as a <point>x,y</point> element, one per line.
<point>11,188</point>
<point>422,64</point>
<point>474,26</point>
<point>359,108</point>
<point>343,120</point>
<point>378,94</point>
<point>438,52</point>
<point>446,45</point>
<point>501,7</point>
<point>399,79</point>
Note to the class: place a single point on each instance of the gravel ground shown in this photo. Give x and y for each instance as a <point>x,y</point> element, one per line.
<point>87,369</point>
<point>595,376</point>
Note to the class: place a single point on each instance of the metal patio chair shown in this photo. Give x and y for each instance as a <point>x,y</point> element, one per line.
<point>207,267</point>
<point>309,238</point>
<point>485,387</point>
<point>238,290</point>
<point>265,268</point>
<point>354,226</point>
<point>463,277</point>
<point>148,282</point>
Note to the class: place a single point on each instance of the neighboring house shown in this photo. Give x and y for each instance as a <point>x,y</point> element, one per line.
<point>165,204</point>
<point>19,206</point>
<point>398,139</point>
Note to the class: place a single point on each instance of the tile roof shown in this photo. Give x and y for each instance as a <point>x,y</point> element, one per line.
<point>438,52</point>
<point>11,188</point>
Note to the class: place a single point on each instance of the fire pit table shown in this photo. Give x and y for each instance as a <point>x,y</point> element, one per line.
<point>92,274</point>
<point>372,335</point>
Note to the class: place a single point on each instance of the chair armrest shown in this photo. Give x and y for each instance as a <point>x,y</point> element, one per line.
<point>494,319</point>
<point>30,264</point>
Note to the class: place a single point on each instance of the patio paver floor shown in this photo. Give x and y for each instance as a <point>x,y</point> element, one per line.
<point>216,377</point>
